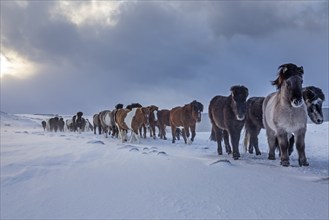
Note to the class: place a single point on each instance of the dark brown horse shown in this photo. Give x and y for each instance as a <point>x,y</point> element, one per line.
<point>313,98</point>
<point>186,117</point>
<point>227,116</point>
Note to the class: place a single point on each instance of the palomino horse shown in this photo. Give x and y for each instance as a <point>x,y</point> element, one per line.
<point>284,114</point>
<point>131,120</point>
<point>227,116</point>
<point>186,117</point>
<point>313,98</point>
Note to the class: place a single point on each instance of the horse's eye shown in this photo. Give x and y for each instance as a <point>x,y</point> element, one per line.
<point>288,83</point>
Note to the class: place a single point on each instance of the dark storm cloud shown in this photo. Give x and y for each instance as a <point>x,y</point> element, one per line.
<point>159,53</point>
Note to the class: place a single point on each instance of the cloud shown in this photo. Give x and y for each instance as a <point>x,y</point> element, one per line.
<point>163,53</point>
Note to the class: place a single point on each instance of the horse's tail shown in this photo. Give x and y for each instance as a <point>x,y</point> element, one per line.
<point>246,140</point>
<point>212,134</point>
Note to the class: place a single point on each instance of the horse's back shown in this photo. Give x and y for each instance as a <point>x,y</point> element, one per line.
<point>255,111</point>
<point>175,116</point>
<point>216,110</point>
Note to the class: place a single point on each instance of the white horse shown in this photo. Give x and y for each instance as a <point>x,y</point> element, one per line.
<point>284,114</point>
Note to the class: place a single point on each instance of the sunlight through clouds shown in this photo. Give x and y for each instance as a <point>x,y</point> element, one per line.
<point>15,65</point>
<point>82,12</point>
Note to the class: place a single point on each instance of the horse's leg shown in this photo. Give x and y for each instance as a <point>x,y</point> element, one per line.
<point>227,142</point>
<point>193,132</point>
<point>173,132</point>
<point>235,137</point>
<point>272,143</point>
<point>291,144</point>
<point>218,136</point>
<point>254,141</point>
<point>283,144</point>
<point>187,135</point>
<point>300,146</point>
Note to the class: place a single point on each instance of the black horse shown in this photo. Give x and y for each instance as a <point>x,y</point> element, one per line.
<point>227,116</point>
<point>79,122</point>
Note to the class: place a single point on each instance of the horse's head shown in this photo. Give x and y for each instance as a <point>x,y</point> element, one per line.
<point>118,106</point>
<point>239,96</point>
<point>145,113</point>
<point>289,82</point>
<point>313,98</point>
<point>79,114</point>
<point>197,108</point>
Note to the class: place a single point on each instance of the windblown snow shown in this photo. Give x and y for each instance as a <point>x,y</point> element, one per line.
<point>67,175</point>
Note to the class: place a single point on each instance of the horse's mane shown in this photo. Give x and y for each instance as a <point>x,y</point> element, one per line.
<point>286,71</point>
<point>197,105</point>
<point>313,92</point>
<point>118,106</point>
<point>133,105</point>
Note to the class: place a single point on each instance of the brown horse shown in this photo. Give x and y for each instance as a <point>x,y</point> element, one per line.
<point>153,120</point>
<point>163,121</point>
<point>186,117</point>
<point>227,116</point>
<point>131,120</point>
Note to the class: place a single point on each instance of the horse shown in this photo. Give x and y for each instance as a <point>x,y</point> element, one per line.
<point>79,122</point>
<point>97,124</point>
<point>105,121</point>
<point>227,116</point>
<point>313,98</point>
<point>284,114</point>
<point>61,125</point>
<point>131,120</point>
<point>186,117</point>
<point>44,125</point>
<point>163,121</point>
<point>53,124</point>
<point>153,120</point>
<point>115,130</point>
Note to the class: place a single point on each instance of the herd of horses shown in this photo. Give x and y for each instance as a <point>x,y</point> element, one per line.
<point>283,114</point>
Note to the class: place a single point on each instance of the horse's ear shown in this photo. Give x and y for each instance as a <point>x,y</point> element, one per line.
<point>246,90</point>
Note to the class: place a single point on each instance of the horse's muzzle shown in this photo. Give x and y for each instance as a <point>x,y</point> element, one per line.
<point>296,103</point>
<point>240,117</point>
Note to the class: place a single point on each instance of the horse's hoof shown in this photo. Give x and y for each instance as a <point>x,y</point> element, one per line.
<point>220,152</point>
<point>285,163</point>
<point>303,163</point>
<point>258,153</point>
<point>251,152</point>
<point>271,157</point>
<point>236,156</point>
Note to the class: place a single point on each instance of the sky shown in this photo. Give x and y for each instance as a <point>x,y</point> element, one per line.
<point>66,56</point>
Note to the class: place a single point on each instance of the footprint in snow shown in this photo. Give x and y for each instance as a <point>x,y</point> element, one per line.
<point>134,149</point>
<point>95,142</point>
<point>162,153</point>
<point>224,161</point>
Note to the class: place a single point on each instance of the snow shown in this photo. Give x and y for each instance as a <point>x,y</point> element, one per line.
<point>85,176</point>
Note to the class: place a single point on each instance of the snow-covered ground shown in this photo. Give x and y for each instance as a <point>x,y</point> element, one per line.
<point>85,176</point>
